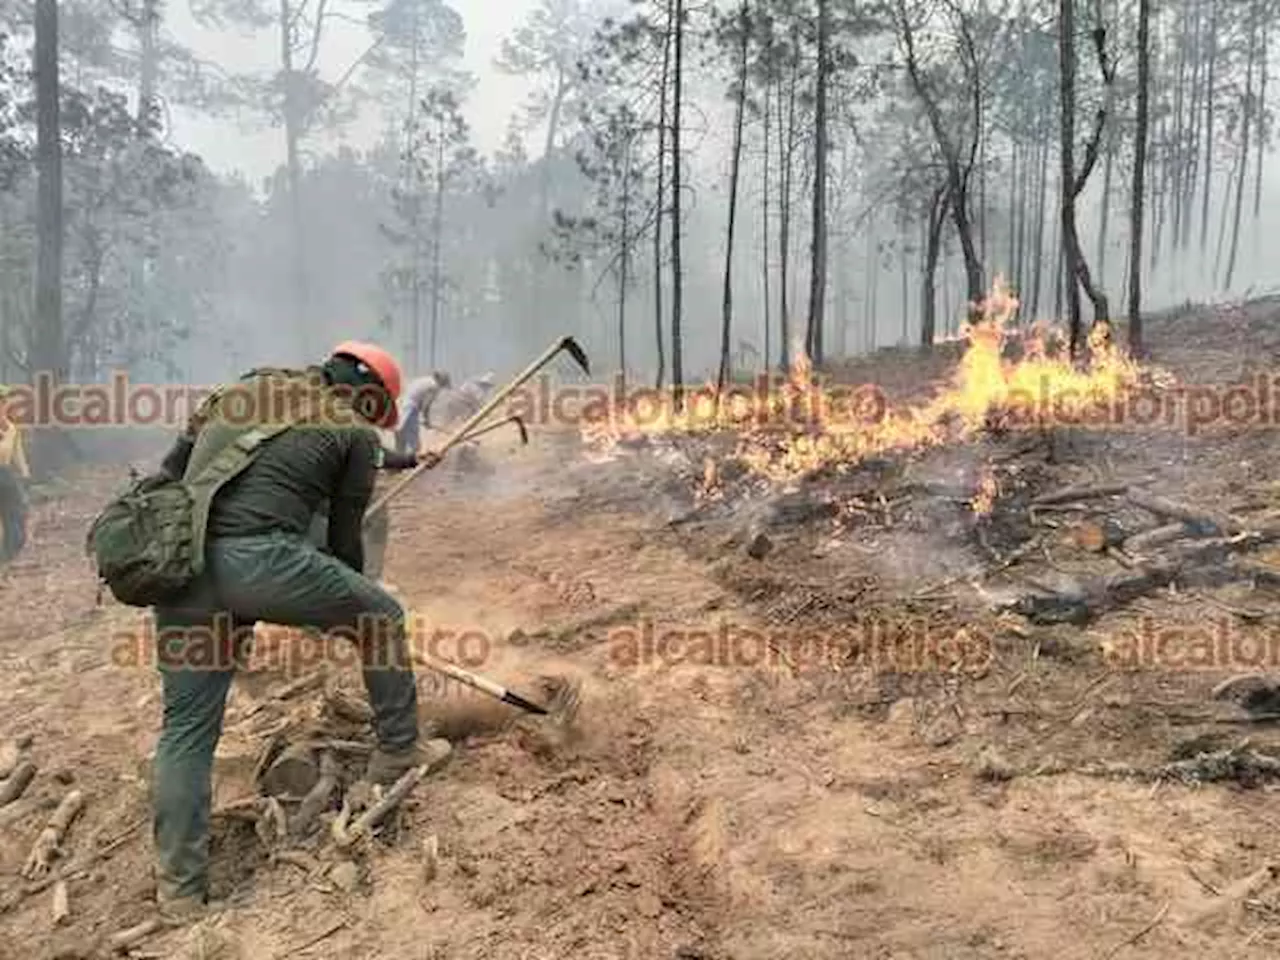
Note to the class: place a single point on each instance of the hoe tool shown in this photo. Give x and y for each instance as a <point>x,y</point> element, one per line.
<point>467,430</point>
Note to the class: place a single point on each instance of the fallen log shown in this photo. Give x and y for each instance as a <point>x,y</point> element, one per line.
<point>1111,592</point>
<point>11,755</point>
<point>18,781</point>
<point>46,846</point>
<point>1078,492</point>
<point>1146,540</point>
<point>119,942</point>
<point>1212,523</point>
<point>1245,766</point>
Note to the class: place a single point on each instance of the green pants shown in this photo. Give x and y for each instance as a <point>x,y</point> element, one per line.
<point>202,638</point>
<point>375,539</point>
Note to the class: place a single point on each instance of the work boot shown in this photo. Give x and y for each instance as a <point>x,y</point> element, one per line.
<point>386,766</point>
<point>179,911</point>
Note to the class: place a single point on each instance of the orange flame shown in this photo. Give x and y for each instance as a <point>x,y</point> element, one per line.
<point>796,426</point>
<point>984,499</point>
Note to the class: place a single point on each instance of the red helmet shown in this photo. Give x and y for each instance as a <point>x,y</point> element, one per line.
<point>383,366</point>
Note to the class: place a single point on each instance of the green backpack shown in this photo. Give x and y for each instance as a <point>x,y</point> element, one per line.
<point>148,543</point>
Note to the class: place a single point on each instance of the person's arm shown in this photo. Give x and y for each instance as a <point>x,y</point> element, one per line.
<point>174,464</point>
<point>391,460</point>
<point>351,499</point>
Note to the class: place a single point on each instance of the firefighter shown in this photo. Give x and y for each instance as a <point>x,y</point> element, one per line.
<point>260,565</point>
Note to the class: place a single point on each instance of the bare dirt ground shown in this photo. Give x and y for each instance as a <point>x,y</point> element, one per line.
<point>731,807</point>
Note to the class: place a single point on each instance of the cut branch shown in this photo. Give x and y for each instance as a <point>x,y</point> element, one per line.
<point>317,800</point>
<point>50,840</point>
<point>17,782</point>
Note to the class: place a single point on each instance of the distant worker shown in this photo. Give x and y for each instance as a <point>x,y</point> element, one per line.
<point>465,402</point>
<point>15,473</point>
<point>415,409</point>
<point>459,406</point>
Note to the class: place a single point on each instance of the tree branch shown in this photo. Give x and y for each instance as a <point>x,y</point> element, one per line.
<point>315,38</point>
<point>1094,147</point>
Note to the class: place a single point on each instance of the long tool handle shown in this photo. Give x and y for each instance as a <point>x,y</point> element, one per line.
<point>490,427</point>
<point>483,684</point>
<point>461,433</point>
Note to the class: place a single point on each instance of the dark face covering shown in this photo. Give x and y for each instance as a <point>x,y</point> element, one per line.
<point>371,397</point>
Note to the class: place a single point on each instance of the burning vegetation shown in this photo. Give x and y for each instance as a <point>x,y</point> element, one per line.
<point>1007,379</point>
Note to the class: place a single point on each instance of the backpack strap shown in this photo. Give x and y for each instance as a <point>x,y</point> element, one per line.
<point>225,465</point>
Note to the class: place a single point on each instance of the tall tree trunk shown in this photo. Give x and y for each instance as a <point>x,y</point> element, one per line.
<point>766,304</point>
<point>904,278</point>
<point>1042,216</point>
<point>148,25</point>
<point>873,289</point>
<point>677,228</point>
<point>787,174</point>
<point>818,254</point>
<point>1179,127</point>
<point>293,168</point>
<point>937,218</point>
<point>1195,115</point>
<point>663,81</point>
<point>549,144</point>
<point>840,343</point>
<point>1104,216</point>
<point>950,323</point>
<point>1209,117</point>
<point>1016,173</point>
<point>624,270</point>
<point>1246,123</point>
<point>1138,191</point>
<point>1078,275</point>
<point>1067,169</point>
<point>437,242</point>
<point>1264,69</point>
<point>982,183</point>
<point>48,354</point>
<point>413,189</point>
<point>739,115</point>
<point>1160,181</point>
<point>1022,201</point>
<point>1224,218</point>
